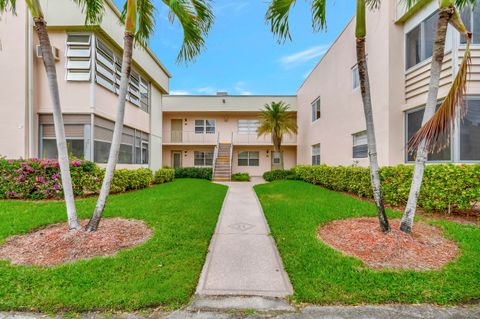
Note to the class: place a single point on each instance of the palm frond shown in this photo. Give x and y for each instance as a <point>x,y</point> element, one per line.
<point>8,6</point>
<point>93,9</point>
<point>373,4</point>
<point>195,17</point>
<point>146,21</point>
<point>277,16</point>
<point>436,132</point>
<point>277,119</point>
<point>319,15</point>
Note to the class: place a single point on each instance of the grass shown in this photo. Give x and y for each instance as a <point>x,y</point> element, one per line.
<point>163,272</point>
<point>322,275</point>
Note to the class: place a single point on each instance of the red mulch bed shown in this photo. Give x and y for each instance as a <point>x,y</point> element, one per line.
<point>425,249</point>
<point>55,244</point>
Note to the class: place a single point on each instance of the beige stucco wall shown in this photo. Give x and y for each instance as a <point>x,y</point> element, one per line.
<point>13,70</point>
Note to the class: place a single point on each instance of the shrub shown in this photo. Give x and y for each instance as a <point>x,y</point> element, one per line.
<point>279,174</point>
<point>164,175</point>
<point>444,185</point>
<point>194,172</point>
<point>40,178</point>
<point>127,180</point>
<point>241,177</point>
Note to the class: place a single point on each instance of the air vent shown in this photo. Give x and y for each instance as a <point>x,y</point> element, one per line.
<point>222,93</point>
<point>55,52</point>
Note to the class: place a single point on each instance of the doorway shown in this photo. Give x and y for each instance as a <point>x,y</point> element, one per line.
<point>176,130</point>
<point>176,159</point>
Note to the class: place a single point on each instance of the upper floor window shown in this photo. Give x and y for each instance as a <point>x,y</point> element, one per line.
<point>78,57</point>
<point>419,41</point>
<point>316,154</point>
<point>248,126</point>
<point>360,145</point>
<point>471,18</point>
<point>316,110</point>
<point>205,126</point>
<point>355,77</point>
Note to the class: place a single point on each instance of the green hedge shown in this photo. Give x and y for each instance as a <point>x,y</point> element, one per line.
<point>194,172</point>
<point>241,177</point>
<point>444,185</point>
<point>39,179</point>
<point>279,174</point>
<point>164,175</point>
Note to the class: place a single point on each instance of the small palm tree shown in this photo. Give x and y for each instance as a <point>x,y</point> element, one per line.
<point>277,120</point>
<point>196,18</point>
<point>438,124</point>
<point>277,16</point>
<point>49,63</point>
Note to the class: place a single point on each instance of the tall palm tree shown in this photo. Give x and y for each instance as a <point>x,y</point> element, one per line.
<point>196,18</point>
<point>277,120</point>
<point>437,125</point>
<point>36,11</point>
<point>277,15</point>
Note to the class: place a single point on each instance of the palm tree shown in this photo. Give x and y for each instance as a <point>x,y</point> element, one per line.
<point>196,18</point>
<point>49,63</point>
<point>277,16</point>
<point>277,120</point>
<point>437,125</point>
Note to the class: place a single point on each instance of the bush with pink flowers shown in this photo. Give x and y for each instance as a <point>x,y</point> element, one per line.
<point>40,178</point>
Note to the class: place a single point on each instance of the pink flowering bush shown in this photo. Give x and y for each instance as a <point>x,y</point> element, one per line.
<point>40,178</point>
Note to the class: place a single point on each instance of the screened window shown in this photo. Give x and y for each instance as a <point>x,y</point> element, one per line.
<point>203,158</point>
<point>471,19</point>
<point>75,148</point>
<point>249,159</point>
<point>414,123</point>
<point>316,110</point>
<point>248,126</point>
<point>316,154</point>
<point>355,77</point>
<point>78,57</point>
<point>470,132</point>
<point>419,41</point>
<point>205,126</point>
<point>360,145</point>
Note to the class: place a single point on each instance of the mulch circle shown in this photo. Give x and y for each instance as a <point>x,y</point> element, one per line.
<point>425,249</point>
<point>55,244</point>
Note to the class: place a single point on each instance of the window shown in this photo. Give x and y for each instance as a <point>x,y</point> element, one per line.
<point>316,154</point>
<point>470,132</point>
<point>204,126</point>
<point>78,57</point>
<point>419,41</point>
<point>355,77</point>
<point>109,73</point>
<point>360,145</point>
<point>249,159</point>
<point>203,158</point>
<point>248,126</point>
<point>414,123</point>
<point>316,110</point>
<point>471,18</point>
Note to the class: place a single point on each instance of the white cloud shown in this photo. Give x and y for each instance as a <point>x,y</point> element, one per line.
<point>299,58</point>
<point>179,92</point>
<point>234,6</point>
<point>240,88</point>
<point>206,90</point>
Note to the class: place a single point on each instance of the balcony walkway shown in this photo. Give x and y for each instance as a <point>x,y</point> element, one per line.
<point>243,259</point>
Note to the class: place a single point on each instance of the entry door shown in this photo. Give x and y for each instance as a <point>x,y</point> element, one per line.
<point>176,159</point>
<point>177,131</point>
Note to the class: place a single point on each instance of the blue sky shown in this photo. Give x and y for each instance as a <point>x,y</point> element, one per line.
<point>241,55</point>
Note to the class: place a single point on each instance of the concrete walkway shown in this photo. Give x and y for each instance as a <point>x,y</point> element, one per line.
<point>243,259</point>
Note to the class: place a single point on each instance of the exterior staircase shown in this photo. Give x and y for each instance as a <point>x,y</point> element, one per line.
<point>223,163</point>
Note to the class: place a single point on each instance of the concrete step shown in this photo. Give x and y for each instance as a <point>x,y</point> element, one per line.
<point>239,303</point>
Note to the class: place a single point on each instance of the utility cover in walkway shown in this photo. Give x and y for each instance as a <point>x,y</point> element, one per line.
<point>243,259</point>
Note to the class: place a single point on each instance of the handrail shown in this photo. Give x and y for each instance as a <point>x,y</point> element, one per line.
<point>215,155</point>
<point>231,155</point>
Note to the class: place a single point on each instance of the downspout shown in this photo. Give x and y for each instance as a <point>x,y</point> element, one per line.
<point>30,111</point>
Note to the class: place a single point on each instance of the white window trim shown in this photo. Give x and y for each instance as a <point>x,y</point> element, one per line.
<point>311,110</point>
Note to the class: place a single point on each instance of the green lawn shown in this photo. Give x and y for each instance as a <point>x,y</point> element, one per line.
<point>321,275</point>
<point>162,272</point>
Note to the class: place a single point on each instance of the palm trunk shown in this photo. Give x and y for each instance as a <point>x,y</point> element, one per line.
<point>367,108</point>
<point>49,63</point>
<point>117,134</point>
<point>421,156</point>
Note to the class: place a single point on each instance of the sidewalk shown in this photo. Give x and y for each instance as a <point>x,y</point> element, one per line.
<point>243,259</point>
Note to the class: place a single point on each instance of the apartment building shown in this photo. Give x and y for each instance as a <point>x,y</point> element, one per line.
<point>88,70</point>
<point>220,131</point>
<point>399,50</point>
